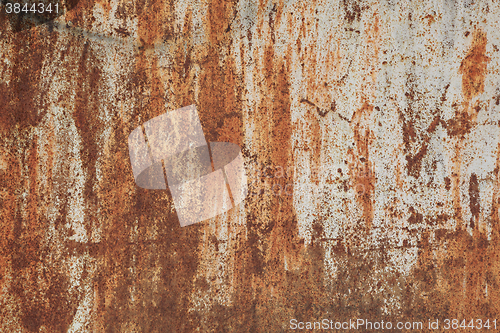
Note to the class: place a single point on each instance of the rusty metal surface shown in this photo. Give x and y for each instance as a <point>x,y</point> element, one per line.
<point>370,132</point>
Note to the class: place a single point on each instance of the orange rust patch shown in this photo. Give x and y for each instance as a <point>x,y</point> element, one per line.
<point>430,19</point>
<point>231,131</point>
<point>360,165</point>
<point>473,67</point>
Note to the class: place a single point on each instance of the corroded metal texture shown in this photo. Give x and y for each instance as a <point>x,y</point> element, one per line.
<point>370,132</point>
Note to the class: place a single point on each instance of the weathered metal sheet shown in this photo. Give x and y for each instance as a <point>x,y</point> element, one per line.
<point>370,133</point>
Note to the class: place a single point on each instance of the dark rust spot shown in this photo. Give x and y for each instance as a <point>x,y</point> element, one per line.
<point>474,199</point>
<point>415,217</point>
<point>353,10</point>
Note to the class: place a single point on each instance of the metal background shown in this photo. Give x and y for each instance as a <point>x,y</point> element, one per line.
<point>395,100</point>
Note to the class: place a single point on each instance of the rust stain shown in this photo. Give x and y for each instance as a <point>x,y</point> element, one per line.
<point>414,162</point>
<point>465,272</point>
<point>360,164</point>
<point>430,19</point>
<point>296,85</point>
<point>474,66</point>
<point>474,200</point>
